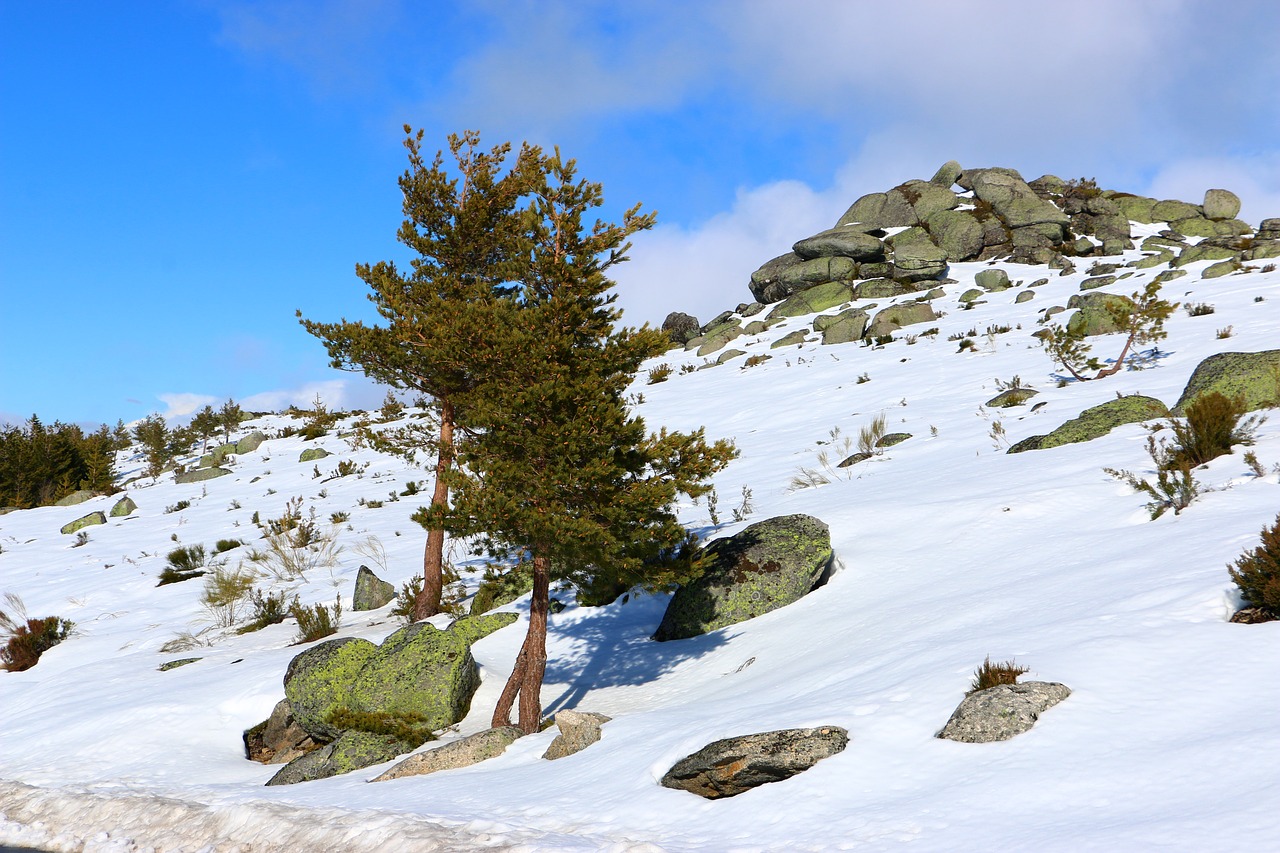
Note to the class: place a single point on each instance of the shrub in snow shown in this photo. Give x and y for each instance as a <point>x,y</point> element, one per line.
<point>28,638</point>
<point>993,674</point>
<point>1257,572</point>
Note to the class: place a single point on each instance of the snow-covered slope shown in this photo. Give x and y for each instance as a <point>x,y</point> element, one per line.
<point>951,550</point>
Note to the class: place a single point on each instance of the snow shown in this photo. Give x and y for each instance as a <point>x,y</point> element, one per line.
<point>950,550</point>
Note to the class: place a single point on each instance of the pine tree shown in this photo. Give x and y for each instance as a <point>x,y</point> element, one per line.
<point>160,444</point>
<point>556,468</point>
<point>467,233</point>
<point>204,425</point>
<point>229,418</point>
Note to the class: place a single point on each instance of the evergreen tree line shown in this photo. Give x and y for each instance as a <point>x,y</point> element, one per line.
<point>505,320</point>
<point>40,464</point>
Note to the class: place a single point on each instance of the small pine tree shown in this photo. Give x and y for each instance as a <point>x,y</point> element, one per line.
<point>556,467</point>
<point>1142,322</point>
<point>1257,571</point>
<point>205,425</point>
<point>160,444</point>
<point>229,418</point>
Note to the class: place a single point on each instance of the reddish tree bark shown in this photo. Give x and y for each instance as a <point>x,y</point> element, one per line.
<point>531,663</point>
<point>427,603</point>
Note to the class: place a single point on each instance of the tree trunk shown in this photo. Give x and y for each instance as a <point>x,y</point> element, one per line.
<point>1119,364</point>
<point>427,602</point>
<point>531,664</point>
<point>536,653</point>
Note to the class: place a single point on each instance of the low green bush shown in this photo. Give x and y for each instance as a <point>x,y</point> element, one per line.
<point>1257,572</point>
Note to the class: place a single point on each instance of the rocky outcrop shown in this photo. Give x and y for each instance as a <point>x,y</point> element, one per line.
<point>1098,313</point>
<point>76,498</point>
<point>473,749</point>
<point>895,317</point>
<point>726,768</point>
<point>1001,712</point>
<point>278,739</point>
<point>768,565</point>
<point>250,442</point>
<point>840,242</point>
<point>810,301</point>
<point>1096,422</point>
<point>371,591</point>
<point>123,507</point>
<point>1255,376</point>
<point>313,454</point>
<point>578,730</point>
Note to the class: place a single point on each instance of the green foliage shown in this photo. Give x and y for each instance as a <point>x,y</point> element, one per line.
<point>317,621</point>
<point>1211,427</point>
<point>178,507</point>
<point>269,609</point>
<point>392,409</point>
<point>1257,571</point>
<point>1198,309</point>
<point>160,445</point>
<point>205,425</point>
<point>224,545</point>
<point>230,417</point>
<point>993,674</point>
<point>26,638</point>
<point>406,599</point>
<point>1141,322</point>
<point>40,465</point>
<point>1174,488</point>
<point>408,727</point>
<point>661,373</point>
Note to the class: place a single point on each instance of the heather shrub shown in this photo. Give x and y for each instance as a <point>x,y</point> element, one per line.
<point>185,562</point>
<point>1257,572</point>
<point>25,638</point>
<point>269,609</point>
<point>406,726</point>
<point>316,621</point>
<point>225,591</point>
<point>994,674</point>
<point>1212,425</point>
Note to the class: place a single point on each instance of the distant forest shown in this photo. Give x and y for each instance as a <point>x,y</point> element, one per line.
<point>41,464</point>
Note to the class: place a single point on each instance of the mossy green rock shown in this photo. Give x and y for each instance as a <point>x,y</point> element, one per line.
<point>790,339</point>
<point>197,475</point>
<point>250,442</point>
<point>123,507</point>
<point>174,664</point>
<point>353,750</point>
<point>1221,204</point>
<point>1220,269</point>
<point>890,439</point>
<point>1156,260</point>
<point>421,670</point>
<point>711,343</point>
<point>318,681</point>
<point>818,298</point>
<point>895,317</point>
<point>1011,397</point>
<point>1135,207</point>
<point>1097,281</point>
<point>768,565</point>
<point>1262,250</point>
<point>371,591</point>
<point>77,498</point>
<point>218,455</point>
<point>84,521</point>
<point>1201,252</point>
<point>729,355</point>
<point>842,242</point>
<point>883,288</point>
<point>843,328</point>
<point>1098,314</point>
<point>1171,210</point>
<point>1024,296</point>
<point>972,294</point>
<point>1253,375</point>
<point>992,280</point>
<point>1096,422</point>
<point>312,454</point>
<point>915,257</point>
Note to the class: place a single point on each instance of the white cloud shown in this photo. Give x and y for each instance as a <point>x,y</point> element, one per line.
<point>337,394</point>
<point>182,404</point>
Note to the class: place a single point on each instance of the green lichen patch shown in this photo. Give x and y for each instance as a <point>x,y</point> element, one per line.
<point>1252,375</point>
<point>1097,422</point>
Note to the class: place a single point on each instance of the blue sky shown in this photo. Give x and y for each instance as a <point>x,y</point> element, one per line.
<point>177,178</point>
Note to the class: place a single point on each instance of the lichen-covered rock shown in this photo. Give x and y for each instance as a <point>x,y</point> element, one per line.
<point>1024,296</point>
<point>812,300</point>
<point>217,456</point>
<point>1171,210</point>
<point>789,273</point>
<point>726,768</point>
<point>721,337</point>
<point>1203,252</point>
<point>927,198</point>
<point>371,591</point>
<point>844,242</point>
<point>84,521</point>
<point>880,210</point>
<point>1199,226</point>
<point>947,174</point>
<point>469,750</point>
<point>1252,375</point>
<point>1158,259</point>
<point>313,454</point>
<point>1262,249</point>
<point>889,320</point>
<point>915,257</point>
<point>883,288</point>
<point>956,232</point>
<point>768,565</point>
<point>353,750</point>
<point>729,355</point>
<point>992,280</point>
<point>1221,204</point>
<point>1098,314</point>
<point>1220,269</point>
<point>1011,397</point>
<point>123,507</point>
<point>318,680</point>
<point>843,328</point>
<point>790,339</point>
<point>1097,421</point>
<point>1001,712</point>
<point>680,327</point>
<point>1012,200</point>
<point>197,475</point>
<point>77,498</point>
<point>251,442</point>
<point>578,730</point>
